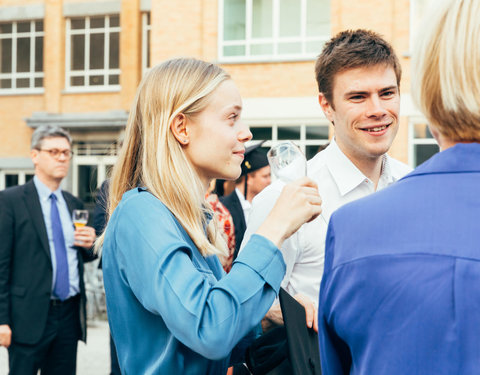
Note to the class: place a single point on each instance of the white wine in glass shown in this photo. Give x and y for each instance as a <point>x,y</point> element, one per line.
<point>287,161</point>
<point>80,218</point>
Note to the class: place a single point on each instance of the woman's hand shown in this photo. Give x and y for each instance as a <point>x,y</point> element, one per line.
<point>299,203</point>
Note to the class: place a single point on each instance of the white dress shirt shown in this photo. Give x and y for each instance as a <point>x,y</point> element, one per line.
<point>339,182</point>
<point>246,205</point>
<point>68,233</point>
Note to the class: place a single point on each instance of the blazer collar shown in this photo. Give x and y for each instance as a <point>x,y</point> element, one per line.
<point>463,157</point>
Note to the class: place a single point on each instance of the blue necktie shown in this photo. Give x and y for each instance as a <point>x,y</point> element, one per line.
<point>62,283</point>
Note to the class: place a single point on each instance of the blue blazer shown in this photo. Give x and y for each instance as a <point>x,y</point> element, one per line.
<point>401,287</point>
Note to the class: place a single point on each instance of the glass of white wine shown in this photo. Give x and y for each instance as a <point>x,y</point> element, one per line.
<point>80,218</point>
<point>288,163</point>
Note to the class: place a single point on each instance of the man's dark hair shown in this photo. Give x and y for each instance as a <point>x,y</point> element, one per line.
<point>349,50</point>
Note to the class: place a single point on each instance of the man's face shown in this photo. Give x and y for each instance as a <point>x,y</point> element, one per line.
<point>258,180</point>
<point>47,167</point>
<point>366,103</point>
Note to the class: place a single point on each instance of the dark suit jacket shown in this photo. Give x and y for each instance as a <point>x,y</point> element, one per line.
<point>25,264</point>
<point>234,206</point>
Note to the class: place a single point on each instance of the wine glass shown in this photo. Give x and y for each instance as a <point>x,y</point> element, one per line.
<point>287,161</point>
<point>80,218</point>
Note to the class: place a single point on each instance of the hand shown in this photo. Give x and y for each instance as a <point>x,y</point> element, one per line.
<point>298,203</point>
<point>274,315</point>
<point>5,335</point>
<point>311,313</point>
<point>84,237</point>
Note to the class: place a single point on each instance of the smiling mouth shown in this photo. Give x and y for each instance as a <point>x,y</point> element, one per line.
<point>376,129</point>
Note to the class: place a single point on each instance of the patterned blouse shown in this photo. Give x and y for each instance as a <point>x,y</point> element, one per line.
<point>226,228</point>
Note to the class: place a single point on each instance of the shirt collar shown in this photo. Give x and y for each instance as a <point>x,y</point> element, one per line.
<point>346,175</point>
<point>245,204</point>
<point>44,192</point>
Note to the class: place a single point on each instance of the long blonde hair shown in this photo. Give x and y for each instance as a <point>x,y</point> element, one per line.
<point>446,69</point>
<point>153,158</point>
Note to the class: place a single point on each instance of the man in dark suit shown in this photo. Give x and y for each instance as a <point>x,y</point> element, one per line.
<point>254,178</point>
<point>42,292</point>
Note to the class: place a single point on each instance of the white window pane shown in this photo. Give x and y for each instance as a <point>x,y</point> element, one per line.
<point>96,81</point>
<point>314,47</point>
<point>39,54</point>
<point>288,132</point>
<point>5,28</point>
<point>97,22</point>
<point>77,81</point>
<point>77,23</point>
<point>262,11</point>
<point>316,132</point>
<point>318,17</point>
<point>290,16</point>
<point>234,51</point>
<point>23,55</point>
<point>78,52</point>
<point>115,21</point>
<point>6,56</point>
<point>261,49</point>
<point>97,47</point>
<point>113,62</point>
<point>23,83</point>
<point>289,48</point>
<point>23,27</point>
<point>234,20</point>
<point>5,83</point>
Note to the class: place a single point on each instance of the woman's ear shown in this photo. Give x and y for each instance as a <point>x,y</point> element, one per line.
<point>179,128</point>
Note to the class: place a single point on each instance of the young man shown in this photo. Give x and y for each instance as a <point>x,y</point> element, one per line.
<point>42,293</point>
<point>358,76</point>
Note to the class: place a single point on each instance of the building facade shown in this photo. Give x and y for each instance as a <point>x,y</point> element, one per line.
<point>77,64</point>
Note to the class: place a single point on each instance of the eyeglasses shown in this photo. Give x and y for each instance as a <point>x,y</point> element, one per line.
<point>55,153</point>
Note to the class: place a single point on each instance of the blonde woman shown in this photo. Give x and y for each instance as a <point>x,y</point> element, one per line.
<point>170,307</point>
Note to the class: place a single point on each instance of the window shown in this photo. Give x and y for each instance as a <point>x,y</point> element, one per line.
<point>422,144</point>
<point>21,57</point>
<point>91,165</point>
<point>146,30</point>
<point>92,53</point>
<point>309,136</point>
<point>253,30</point>
<point>10,178</point>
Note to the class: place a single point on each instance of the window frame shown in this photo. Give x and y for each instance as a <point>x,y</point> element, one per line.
<point>412,141</point>
<point>275,40</point>
<point>22,176</point>
<point>146,32</point>
<point>302,142</point>
<point>87,72</point>
<point>31,75</point>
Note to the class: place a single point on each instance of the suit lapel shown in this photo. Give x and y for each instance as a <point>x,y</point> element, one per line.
<point>32,203</point>
<point>70,203</point>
